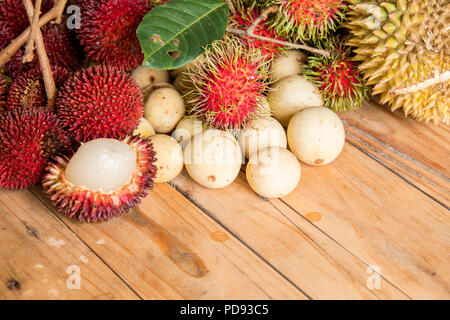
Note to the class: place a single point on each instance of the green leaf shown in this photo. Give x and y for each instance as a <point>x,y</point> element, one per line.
<point>175,33</point>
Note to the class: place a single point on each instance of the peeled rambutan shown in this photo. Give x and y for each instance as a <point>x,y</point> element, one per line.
<point>243,19</point>
<point>2,94</point>
<point>103,179</point>
<point>108,31</point>
<point>28,90</point>
<point>305,20</point>
<point>28,139</point>
<point>228,87</point>
<point>338,80</point>
<point>100,102</point>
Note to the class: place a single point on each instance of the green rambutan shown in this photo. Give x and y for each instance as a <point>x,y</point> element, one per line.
<point>28,139</point>
<point>28,89</point>
<point>100,102</point>
<point>337,79</point>
<point>243,19</point>
<point>308,20</point>
<point>108,31</point>
<point>103,179</point>
<point>229,85</point>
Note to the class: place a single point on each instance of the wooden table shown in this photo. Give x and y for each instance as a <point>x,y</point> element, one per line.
<point>374,224</point>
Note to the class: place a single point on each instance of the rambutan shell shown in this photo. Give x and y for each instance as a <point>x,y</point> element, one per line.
<point>100,102</point>
<point>28,138</point>
<point>95,205</point>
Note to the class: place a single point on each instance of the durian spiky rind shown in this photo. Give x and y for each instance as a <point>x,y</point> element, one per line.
<point>400,46</point>
<point>95,205</point>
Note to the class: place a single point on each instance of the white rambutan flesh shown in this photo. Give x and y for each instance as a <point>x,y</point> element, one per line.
<point>102,164</point>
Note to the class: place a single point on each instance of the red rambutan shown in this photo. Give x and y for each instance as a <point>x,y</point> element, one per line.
<point>28,138</point>
<point>304,20</point>
<point>229,85</point>
<point>108,31</point>
<point>244,18</point>
<point>100,102</point>
<point>61,46</point>
<point>103,179</point>
<point>28,90</point>
<point>337,79</point>
<point>59,43</point>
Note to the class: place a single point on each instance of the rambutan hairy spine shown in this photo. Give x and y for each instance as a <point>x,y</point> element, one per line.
<point>338,80</point>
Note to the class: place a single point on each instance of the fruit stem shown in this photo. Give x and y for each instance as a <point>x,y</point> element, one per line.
<point>11,49</point>
<point>47,73</point>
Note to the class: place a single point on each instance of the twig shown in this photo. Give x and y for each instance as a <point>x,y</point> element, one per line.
<point>29,56</point>
<point>250,32</point>
<point>11,49</point>
<point>262,17</point>
<point>60,5</point>
<point>283,43</point>
<point>47,73</point>
<point>230,4</point>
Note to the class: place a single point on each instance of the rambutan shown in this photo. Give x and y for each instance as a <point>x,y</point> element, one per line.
<point>61,46</point>
<point>14,16</point>
<point>338,80</point>
<point>100,102</point>
<point>28,90</point>
<point>308,20</point>
<point>2,94</point>
<point>104,178</point>
<point>243,19</point>
<point>28,138</point>
<point>108,31</point>
<point>229,85</point>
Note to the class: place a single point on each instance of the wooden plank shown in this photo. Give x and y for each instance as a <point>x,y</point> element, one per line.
<point>36,251</point>
<point>416,151</point>
<point>306,256</point>
<point>381,219</point>
<point>169,249</point>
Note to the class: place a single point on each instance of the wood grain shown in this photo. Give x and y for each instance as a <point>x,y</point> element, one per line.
<point>414,150</point>
<point>313,262</point>
<point>169,249</point>
<point>381,219</point>
<point>36,251</point>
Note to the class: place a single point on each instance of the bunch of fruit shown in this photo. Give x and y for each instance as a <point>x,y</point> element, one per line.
<point>118,126</point>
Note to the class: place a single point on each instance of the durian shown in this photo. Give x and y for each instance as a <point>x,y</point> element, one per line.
<point>404,50</point>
